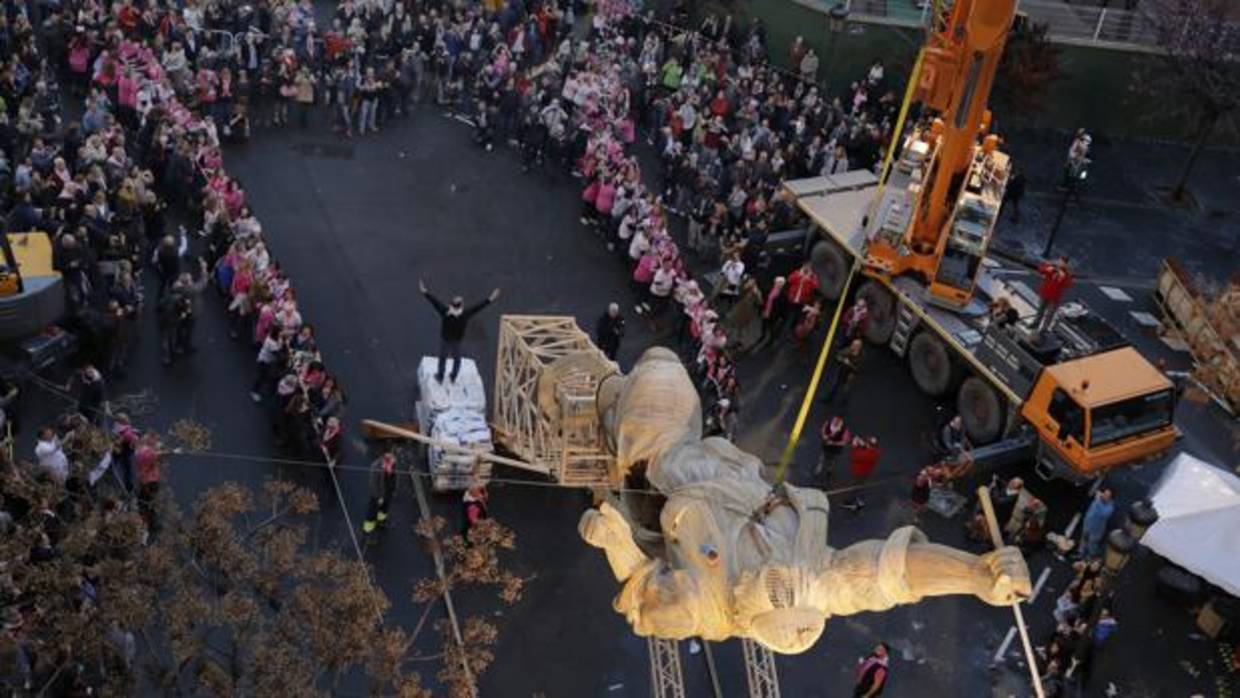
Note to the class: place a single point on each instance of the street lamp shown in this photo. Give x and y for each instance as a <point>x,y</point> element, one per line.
<point>1120,545</point>
<point>1141,515</point>
<point>1077,173</point>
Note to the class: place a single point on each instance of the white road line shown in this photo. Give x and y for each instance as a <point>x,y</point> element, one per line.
<point>1143,318</point>
<point>1046,573</point>
<point>1003,647</point>
<point>1115,294</point>
<point>1076,519</point>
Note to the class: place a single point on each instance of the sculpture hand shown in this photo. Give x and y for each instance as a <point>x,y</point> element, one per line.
<point>606,528</point>
<point>1005,577</point>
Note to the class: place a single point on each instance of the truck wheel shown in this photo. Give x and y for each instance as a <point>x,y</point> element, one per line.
<point>980,409</point>
<point>931,364</point>
<point>882,306</point>
<point>830,264</point>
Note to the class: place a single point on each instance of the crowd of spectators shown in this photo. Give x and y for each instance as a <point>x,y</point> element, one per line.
<point>728,127</point>
<point>118,186</point>
<point>163,89</point>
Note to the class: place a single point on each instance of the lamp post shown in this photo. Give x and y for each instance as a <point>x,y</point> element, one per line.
<point>1141,516</point>
<point>837,18</point>
<point>1121,542</point>
<point>1077,173</point>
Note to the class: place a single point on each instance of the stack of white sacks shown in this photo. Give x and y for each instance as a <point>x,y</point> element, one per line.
<point>454,412</point>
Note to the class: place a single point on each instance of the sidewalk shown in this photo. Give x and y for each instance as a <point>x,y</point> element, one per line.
<point>1120,228</point>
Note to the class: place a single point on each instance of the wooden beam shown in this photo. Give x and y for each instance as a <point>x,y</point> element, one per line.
<point>395,431</point>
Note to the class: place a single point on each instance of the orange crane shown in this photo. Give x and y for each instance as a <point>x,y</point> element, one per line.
<point>956,173</point>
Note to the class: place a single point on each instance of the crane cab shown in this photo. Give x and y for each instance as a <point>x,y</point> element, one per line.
<point>961,250</point>
<point>1100,411</point>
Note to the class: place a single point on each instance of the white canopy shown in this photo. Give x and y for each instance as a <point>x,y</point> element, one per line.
<point>1198,523</point>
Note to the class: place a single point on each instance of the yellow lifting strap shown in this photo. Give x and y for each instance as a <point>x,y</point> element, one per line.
<point>812,390</point>
<point>786,458</point>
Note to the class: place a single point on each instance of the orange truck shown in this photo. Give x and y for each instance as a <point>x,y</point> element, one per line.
<point>1078,395</point>
<point>1072,393</point>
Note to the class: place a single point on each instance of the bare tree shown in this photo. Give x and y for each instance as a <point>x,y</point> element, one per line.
<point>243,606</point>
<point>1029,65</point>
<point>1196,77</point>
<point>231,598</point>
<point>473,559</point>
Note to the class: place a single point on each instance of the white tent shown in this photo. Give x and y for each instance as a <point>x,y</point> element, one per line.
<point>1198,523</point>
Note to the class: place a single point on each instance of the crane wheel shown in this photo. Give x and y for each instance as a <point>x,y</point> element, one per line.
<point>931,364</point>
<point>830,264</point>
<point>980,409</point>
<point>882,307</point>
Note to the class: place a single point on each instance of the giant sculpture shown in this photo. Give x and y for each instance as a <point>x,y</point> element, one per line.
<point>734,556</point>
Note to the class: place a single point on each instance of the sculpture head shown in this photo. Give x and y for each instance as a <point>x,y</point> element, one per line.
<point>788,630</point>
<point>776,605</point>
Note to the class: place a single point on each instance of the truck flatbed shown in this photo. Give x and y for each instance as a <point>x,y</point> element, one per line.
<point>838,205</point>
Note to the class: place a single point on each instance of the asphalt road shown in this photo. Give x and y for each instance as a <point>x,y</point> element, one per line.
<point>356,223</point>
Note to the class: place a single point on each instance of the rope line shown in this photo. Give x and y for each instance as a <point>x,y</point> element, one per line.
<point>812,389</point>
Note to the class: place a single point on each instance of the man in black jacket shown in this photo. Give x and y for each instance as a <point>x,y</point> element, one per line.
<point>609,330</point>
<point>453,320</point>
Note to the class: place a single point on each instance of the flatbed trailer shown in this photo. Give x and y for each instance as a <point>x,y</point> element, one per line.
<point>1010,385</point>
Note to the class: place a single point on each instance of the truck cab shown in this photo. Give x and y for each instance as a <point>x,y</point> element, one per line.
<point>1100,411</point>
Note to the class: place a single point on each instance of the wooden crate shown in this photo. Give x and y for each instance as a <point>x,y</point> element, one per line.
<point>547,373</point>
<point>1207,328</point>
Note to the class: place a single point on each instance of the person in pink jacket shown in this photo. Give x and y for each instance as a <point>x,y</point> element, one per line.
<point>127,97</point>
<point>643,274</point>
<point>605,198</point>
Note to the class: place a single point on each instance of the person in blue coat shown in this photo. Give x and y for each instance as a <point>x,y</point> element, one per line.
<point>1094,527</point>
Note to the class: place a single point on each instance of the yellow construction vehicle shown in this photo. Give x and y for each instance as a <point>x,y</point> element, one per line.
<point>32,294</point>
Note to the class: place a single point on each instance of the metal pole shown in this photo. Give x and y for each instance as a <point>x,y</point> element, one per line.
<point>1063,208</point>
<point>992,523</point>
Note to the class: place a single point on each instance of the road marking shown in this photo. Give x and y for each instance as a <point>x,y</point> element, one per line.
<point>1011,633</point>
<point>1046,573</point>
<point>1144,318</point>
<point>1022,289</point>
<point>1115,294</point>
<point>1076,519</point>
<point>1007,642</point>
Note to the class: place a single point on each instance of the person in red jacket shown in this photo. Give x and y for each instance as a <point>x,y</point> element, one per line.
<point>474,503</point>
<point>1056,280</point>
<point>862,461</point>
<point>802,285</point>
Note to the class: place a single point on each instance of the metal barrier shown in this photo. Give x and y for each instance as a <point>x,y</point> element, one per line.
<point>1108,27</point>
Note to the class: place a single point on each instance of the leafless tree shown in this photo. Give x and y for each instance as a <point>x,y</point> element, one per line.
<point>230,598</point>
<point>1196,76</point>
<point>1029,65</point>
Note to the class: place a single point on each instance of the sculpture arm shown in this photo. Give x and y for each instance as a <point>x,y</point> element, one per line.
<point>606,528</point>
<point>877,575</point>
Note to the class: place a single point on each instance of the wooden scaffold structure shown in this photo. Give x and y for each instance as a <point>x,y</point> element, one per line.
<point>547,376</point>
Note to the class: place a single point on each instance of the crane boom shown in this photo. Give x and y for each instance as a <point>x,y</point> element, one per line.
<point>947,168</point>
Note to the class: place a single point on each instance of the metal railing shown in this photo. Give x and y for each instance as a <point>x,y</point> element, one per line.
<point>1068,23</point>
